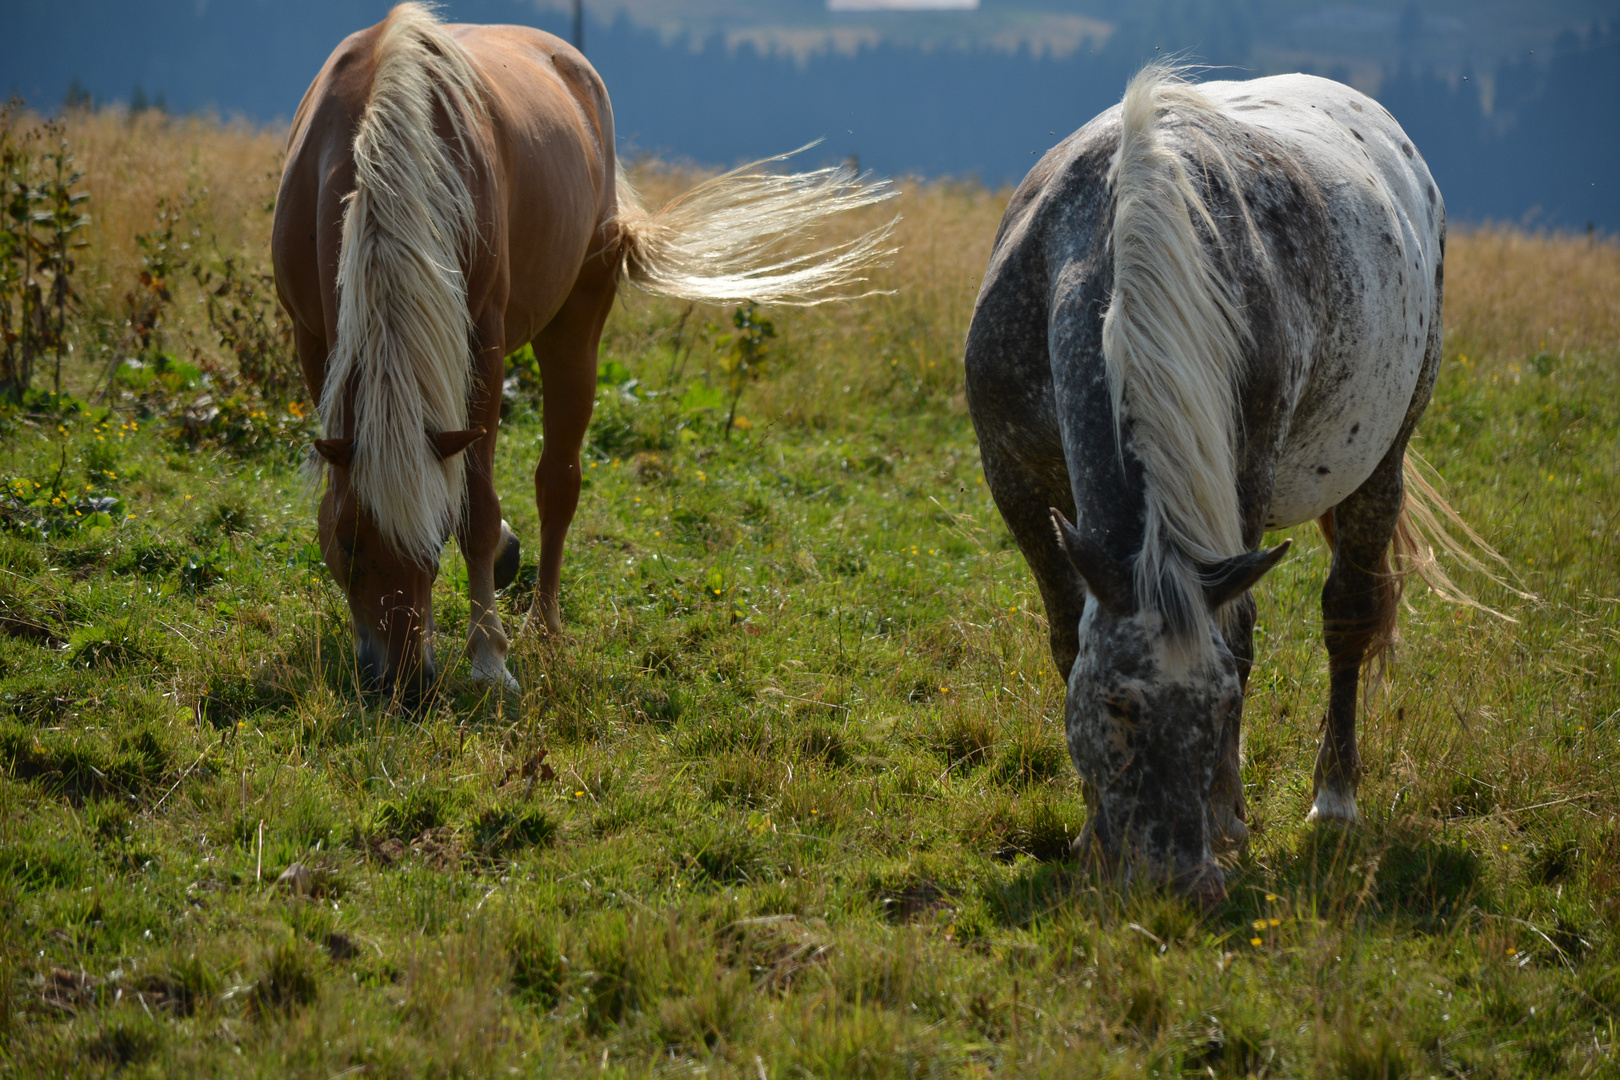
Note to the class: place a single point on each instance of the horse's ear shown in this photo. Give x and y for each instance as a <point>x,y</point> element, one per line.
<point>447,444</point>
<point>1108,579</point>
<point>336,451</point>
<point>1225,581</point>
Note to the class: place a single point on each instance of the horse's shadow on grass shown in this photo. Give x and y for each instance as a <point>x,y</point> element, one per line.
<point>1405,872</point>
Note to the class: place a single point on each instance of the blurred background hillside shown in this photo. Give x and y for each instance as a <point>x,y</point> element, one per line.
<point>1511,101</point>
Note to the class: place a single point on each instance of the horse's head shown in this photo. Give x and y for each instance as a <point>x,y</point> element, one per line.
<point>390,593</point>
<point>1147,717</point>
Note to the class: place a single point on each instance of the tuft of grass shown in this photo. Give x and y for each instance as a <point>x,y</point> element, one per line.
<point>285,980</point>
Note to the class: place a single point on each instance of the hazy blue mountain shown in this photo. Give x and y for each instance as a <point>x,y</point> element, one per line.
<point>1526,136</point>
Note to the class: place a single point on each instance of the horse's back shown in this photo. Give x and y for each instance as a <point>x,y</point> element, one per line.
<point>541,175</point>
<point>1344,139</point>
<point>1332,230</point>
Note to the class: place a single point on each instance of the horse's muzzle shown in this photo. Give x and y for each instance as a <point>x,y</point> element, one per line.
<point>407,679</point>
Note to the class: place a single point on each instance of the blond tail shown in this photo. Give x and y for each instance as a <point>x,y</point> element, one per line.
<point>403,348</point>
<point>732,238</point>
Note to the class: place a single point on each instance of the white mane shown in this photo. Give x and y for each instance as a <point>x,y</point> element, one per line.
<point>1173,341</point>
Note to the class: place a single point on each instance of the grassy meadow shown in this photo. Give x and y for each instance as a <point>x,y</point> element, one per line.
<point>790,795</point>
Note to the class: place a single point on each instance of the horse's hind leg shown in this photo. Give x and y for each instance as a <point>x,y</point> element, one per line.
<point>566,349</point>
<point>1356,611</point>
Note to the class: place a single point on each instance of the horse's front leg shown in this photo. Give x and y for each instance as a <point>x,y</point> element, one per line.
<point>486,540</point>
<point>1228,811</point>
<point>1359,604</point>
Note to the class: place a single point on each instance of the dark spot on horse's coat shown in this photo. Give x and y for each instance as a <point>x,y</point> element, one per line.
<point>1268,101</point>
<point>1406,148</point>
<point>1431,193</point>
<point>1357,134</point>
<point>1355,427</point>
<point>1321,470</point>
<point>1246,108</point>
<point>1355,106</point>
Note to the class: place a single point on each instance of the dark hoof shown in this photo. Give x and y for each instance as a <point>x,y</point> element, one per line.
<point>510,559</point>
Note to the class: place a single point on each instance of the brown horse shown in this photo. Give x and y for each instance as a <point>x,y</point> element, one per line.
<point>450,194</point>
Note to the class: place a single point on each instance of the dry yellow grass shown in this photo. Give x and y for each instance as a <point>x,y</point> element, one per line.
<point>132,162</point>
<point>1511,294</point>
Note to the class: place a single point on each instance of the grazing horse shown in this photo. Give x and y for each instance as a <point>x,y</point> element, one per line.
<point>1212,311</point>
<point>450,194</point>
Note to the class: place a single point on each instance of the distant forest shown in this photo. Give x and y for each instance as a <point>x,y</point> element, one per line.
<point>1546,152</point>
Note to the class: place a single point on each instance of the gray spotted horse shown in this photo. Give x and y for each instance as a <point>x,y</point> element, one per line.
<point>1212,311</point>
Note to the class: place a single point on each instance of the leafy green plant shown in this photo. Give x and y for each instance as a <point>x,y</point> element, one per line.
<point>247,318</point>
<point>162,258</point>
<point>521,388</point>
<point>243,422</point>
<point>40,217</point>
<point>744,355</point>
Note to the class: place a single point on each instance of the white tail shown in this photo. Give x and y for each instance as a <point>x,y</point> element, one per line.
<point>1173,343</point>
<point>1422,528</point>
<point>728,239</point>
<point>403,347</point>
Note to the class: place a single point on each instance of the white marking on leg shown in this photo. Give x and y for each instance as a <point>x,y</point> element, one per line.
<point>489,670</point>
<point>1333,804</point>
<point>487,648</point>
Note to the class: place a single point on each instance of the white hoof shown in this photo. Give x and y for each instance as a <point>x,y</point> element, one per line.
<point>1332,805</point>
<point>494,676</point>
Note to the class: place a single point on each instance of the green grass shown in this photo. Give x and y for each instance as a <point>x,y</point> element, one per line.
<point>809,797</point>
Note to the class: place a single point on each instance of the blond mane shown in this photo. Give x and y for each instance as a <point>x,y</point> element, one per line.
<point>402,363</point>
